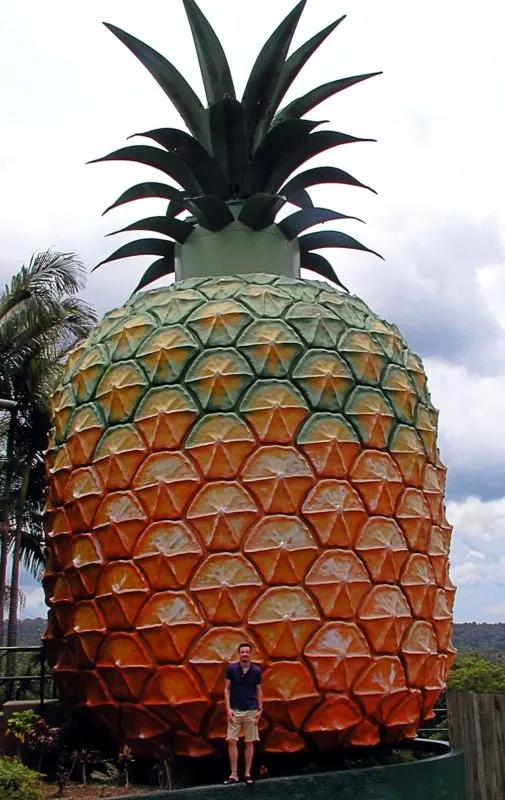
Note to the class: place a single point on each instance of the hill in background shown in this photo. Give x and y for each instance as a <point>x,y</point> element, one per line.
<point>30,631</point>
<point>481,636</point>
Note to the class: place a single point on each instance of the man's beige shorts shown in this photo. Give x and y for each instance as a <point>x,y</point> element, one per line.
<point>244,724</point>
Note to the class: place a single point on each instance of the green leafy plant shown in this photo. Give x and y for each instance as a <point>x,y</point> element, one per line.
<point>107,773</point>
<point>17,782</point>
<point>20,724</point>
<point>473,673</point>
<point>125,759</point>
<point>32,730</point>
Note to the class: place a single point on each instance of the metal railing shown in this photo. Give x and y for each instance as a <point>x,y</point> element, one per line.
<point>42,678</point>
<point>438,725</point>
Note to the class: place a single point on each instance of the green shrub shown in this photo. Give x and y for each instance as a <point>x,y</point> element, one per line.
<point>21,722</point>
<point>473,673</point>
<point>17,782</point>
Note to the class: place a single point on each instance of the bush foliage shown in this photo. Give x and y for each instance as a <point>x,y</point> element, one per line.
<point>17,782</point>
<point>475,673</point>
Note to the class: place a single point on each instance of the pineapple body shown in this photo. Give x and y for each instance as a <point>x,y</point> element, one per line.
<point>248,458</point>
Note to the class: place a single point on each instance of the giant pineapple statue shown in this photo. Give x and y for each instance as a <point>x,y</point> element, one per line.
<point>244,455</point>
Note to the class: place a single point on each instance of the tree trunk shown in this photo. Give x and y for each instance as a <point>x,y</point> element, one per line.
<point>4,552</point>
<point>12,625</point>
<point>5,525</point>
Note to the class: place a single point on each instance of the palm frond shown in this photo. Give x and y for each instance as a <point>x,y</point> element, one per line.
<point>62,273</point>
<point>41,317</point>
<point>33,553</point>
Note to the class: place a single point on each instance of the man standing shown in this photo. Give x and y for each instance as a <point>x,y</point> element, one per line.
<point>243,700</point>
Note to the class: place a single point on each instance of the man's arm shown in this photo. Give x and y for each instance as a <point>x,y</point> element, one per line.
<point>259,695</point>
<point>229,711</point>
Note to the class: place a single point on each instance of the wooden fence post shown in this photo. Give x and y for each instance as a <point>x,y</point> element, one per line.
<point>477,724</point>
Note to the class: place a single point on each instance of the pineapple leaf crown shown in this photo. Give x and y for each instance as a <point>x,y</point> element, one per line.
<point>239,155</point>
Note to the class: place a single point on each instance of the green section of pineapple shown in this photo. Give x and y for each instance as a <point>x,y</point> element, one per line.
<point>257,345</point>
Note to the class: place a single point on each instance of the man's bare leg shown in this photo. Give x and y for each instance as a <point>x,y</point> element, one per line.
<point>233,755</point>
<point>249,754</point>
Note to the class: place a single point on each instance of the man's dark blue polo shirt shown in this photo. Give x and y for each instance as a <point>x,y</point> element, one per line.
<point>243,685</point>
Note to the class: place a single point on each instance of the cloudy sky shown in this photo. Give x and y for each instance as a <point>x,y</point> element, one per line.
<point>70,92</point>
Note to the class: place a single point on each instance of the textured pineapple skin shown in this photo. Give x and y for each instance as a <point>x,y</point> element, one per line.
<point>252,459</point>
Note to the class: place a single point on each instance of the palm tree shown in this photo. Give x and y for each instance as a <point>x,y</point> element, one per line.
<point>41,318</point>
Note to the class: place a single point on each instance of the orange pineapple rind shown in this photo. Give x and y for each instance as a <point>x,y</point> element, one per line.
<point>248,459</point>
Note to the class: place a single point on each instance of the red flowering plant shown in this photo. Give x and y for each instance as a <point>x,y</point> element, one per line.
<point>30,729</point>
<point>42,738</point>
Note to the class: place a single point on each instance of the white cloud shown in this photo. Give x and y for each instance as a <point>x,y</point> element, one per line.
<point>480,523</point>
<point>472,433</point>
<point>34,605</point>
<point>478,557</point>
<point>492,283</point>
<point>436,297</point>
<point>471,573</point>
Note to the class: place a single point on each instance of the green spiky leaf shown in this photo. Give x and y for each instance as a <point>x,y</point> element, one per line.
<point>266,71</point>
<point>320,265</point>
<point>140,247</point>
<point>216,75</point>
<point>310,146</point>
<point>170,164</point>
<point>210,212</point>
<point>259,210</point>
<point>158,269</point>
<point>176,207</point>
<point>196,158</point>
<point>297,108</point>
<point>168,226</point>
<point>318,175</point>
<point>142,191</point>
<point>228,138</point>
<point>278,146</point>
<point>238,151</point>
<point>171,81</point>
<point>290,70</point>
<point>301,199</point>
<point>293,225</point>
<point>315,241</point>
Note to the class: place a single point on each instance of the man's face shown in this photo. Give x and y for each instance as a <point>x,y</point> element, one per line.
<point>244,655</point>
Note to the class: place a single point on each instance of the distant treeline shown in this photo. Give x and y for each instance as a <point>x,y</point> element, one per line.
<point>30,631</point>
<point>480,636</point>
<point>475,636</point>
